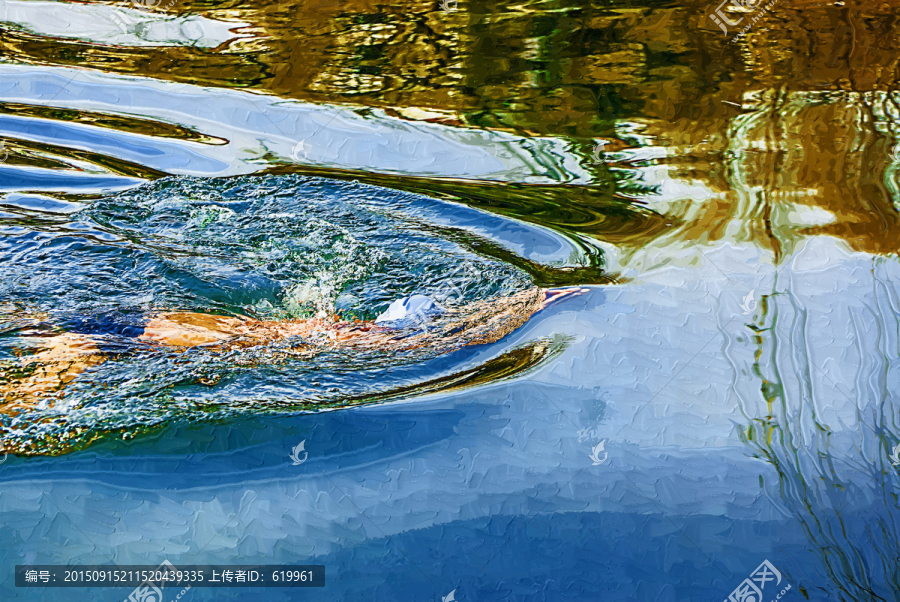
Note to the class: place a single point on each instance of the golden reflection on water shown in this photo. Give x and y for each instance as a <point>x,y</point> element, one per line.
<point>549,68</point>
<point>789,131</point>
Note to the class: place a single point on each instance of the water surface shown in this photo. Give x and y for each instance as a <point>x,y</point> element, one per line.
<point>726,393</point>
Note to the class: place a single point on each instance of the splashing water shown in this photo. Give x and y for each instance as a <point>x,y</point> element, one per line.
<point>274,247</point>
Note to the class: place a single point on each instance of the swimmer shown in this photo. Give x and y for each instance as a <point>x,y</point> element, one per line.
<point>408,323</point>
<point>482,322</point>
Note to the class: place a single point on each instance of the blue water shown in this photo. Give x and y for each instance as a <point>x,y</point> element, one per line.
<point>727,395</point>
<point>493,492</point>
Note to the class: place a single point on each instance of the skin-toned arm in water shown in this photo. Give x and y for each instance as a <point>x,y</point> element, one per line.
<point>44,374</point>
<point>66,355</point>
<point>479,323</point>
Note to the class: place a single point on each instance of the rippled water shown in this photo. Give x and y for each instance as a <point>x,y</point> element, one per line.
<point>270,248</point>
<point>725,393</point>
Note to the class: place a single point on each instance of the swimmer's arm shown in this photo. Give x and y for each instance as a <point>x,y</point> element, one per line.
<point>492,321</point>
<point>190,329</point>
<point>62,358</point>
